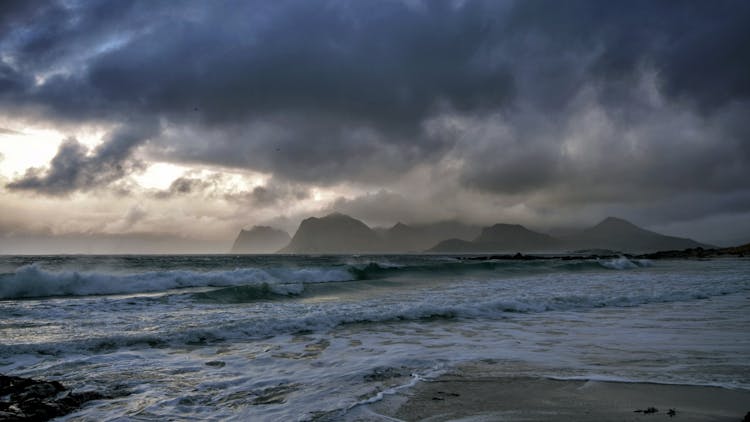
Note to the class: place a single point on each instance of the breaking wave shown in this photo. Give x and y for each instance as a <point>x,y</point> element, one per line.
<point>321,318</point>
<point>32,281</point>
<point>375,269</point>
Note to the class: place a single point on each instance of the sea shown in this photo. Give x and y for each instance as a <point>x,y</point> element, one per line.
<point>280,337</point>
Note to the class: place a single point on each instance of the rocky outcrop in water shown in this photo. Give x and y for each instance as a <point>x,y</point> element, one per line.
<point>736,251</point>
<point>26,399</point>
<point>742,251</point>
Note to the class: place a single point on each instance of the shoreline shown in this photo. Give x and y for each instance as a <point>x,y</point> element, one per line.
<point>474,393</point>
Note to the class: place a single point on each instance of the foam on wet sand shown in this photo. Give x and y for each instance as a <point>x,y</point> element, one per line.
<point>471,393</point>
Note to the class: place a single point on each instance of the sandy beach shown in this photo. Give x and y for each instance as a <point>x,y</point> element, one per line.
<point>469,394</point>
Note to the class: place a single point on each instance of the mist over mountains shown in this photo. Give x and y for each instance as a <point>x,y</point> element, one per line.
<point>338,233</point>
<point>260,239</point>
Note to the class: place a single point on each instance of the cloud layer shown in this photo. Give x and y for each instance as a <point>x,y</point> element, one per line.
<point>479,110</point>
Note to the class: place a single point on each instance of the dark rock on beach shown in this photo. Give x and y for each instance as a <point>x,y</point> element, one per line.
<point>26,399</point>
<point>386,373</point>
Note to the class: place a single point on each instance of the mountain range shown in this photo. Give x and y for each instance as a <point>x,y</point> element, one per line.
<point>340,234</point>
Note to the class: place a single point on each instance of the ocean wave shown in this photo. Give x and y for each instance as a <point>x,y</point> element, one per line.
<point>377,269</point>
<point>32,281</point>
<point>315,318</point>
<point>249,293</point>
<point>623,263</point>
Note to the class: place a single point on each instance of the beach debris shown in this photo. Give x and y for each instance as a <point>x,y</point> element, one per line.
<point>441,395</point>
<point>647,411</point>
<point>671,412</point>
<point>30,399</point>
<point>386,373</point>
<point>448,394</point>
<point>216,363</point>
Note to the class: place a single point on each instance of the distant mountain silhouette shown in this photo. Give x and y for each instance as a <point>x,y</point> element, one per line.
<point>334,233</point>
<point>515,236</point>
<point>621,235</point>
<point>417,238</point>
<point>612,233</point>
<point>339,233</point>
<point>260,239</point>
<point>457,246</point>
<point>403,238</point>
<point>501,238</point>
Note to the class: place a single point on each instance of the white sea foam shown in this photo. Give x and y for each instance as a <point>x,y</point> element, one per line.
<point>623,263</point>
<point>467,301</point>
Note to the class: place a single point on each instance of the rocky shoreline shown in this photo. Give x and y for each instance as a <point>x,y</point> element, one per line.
<point>690,253</point>
<point>26,399</point>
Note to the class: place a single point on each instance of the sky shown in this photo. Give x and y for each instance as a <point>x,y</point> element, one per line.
<point>167,126</point>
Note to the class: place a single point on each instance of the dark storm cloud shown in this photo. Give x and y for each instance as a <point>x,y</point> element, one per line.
<point>75,168</point>
<point>306,148</point>
<point>272,193</point>
<point>697,47</point>
<point>374,61</point>
<point>275,193</point>
<point>186,185</point>
<point>553,96</point>
<point>373,66</point>
<point>597,154</point>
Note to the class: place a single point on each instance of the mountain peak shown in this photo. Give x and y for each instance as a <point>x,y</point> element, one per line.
<point>515,237</point>
<point>334,233</point>
<point>615,221</point>
<point>506,226</point>
<point>501,230</point>
<point>260,239</point>
<point>613,225</point>
<point>339,215</point>
<point>621,235</point>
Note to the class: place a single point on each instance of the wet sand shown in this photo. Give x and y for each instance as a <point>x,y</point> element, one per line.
<point>471,397</point>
